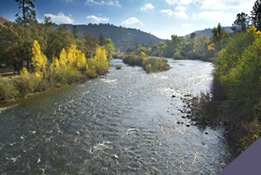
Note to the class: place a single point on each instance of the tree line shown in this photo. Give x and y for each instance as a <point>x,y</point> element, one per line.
<point>47,57</point>
<point>193,47</point>
<point>201,47</point>
<point>236,100</point>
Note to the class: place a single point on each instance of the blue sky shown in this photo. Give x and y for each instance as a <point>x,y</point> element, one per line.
<point>161,18</point>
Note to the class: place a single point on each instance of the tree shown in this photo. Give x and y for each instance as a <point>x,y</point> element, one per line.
<point>57,40</point>
<point>219,37</point>
<point>192,35</point>
<point>162,47</point>
<point>26,14</point>
<point>109,46</point>
<point>101,40</point>
<point>256,14</point>
<point>39,60</point>
<point>16,42</point>
<point>241,23</point>
<point>90,44</point>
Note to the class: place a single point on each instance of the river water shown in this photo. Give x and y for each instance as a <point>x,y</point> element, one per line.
<point>127,122</point>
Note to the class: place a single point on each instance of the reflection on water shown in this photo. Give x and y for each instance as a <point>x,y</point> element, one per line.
<point>127,122</point>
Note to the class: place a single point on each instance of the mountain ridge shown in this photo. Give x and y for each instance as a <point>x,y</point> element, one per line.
<point>123,38</point>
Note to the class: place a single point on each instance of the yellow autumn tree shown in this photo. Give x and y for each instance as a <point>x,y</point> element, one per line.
<point>39,60</point>
<point>99,62</point>
<point>63,58</point>
<point>72,57</point>
<point>55,65</point>
<point>81,61</point>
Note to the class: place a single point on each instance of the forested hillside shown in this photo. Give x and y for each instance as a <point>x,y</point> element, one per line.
<point>208,32</point>
<point>236,91</point>
<point>123,38</point>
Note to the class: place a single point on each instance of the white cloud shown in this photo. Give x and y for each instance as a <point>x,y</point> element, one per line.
<point>215,17</point>
<point>180,8</point>
<point>239,5</point>
<point>186,25</point>
<point>147,7</point>
<point>212,15</point>
<point>68,0</point>
<point>97,19</point>
<point>180,12</point>
<point>60,18</point>
<point>179,2</point>
<point>103,2</point>
<point>131,21</point>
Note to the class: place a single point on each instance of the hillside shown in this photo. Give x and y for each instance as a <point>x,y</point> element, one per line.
<point>123,38</point>
<point>208,32</point>
<point>2,20</point>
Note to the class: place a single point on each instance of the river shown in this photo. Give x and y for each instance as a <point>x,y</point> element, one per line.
<point>127,122</point>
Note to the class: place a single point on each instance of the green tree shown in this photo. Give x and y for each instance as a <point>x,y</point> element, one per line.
<point>57,40</point>
<point>241,23</point>
<point>102,41</point>
<point>219,37</point>
<point>256,14</point>
<point>109,47</point>
<point>16,42</point>
<point>26,14</point>
<point>162,46</point>
<point>90,44</point>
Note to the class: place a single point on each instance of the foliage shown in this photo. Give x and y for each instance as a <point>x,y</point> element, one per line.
<point>39,60</point>
<point>193,47</point>
<point>256,14</point>
<point>27,12</point>
<point>241,23</point>
<point>148,64</point>
<point>99,63</point>
<point>7,90</point>
<point>237,97</point>
<point>45,57</point>
<point>219,37</point>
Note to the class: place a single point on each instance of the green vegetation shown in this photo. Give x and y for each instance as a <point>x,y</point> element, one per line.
<point>236,100</point>
<point>42,57</point>
<point>148,64</point>
<point>194,47</point>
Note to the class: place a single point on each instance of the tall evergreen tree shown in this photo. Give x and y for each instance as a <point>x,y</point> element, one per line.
<point>256,14</point>
<point>26,12</point>
<point>241,23</point>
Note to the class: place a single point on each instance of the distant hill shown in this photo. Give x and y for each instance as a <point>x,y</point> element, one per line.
<point>2,20</point>
<point>208,32</point>
<point>123,38</point>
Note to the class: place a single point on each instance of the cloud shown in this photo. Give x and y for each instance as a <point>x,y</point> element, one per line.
<point>186,25</point>
<point>131,21</point>
<point>215,17</point>
<point>60,18</point>
<point>69,0</point>
<point>180,12</point>
<point>226,5</point>
<point>147,7</point>
<point>179,2</point>
<point>97,19</point>
<point>103,2</point>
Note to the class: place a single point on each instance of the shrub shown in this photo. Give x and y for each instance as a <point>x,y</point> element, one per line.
<point>7,90</point>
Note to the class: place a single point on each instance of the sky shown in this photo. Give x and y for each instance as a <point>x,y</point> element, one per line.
<point>161,18</point>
